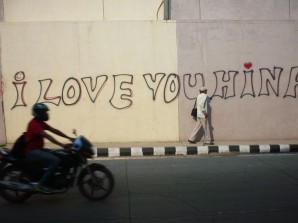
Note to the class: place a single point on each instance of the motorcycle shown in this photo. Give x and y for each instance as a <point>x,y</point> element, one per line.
<point>17,176</point>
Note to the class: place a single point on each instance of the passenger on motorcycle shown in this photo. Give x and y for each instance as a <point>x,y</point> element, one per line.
<point>36,132</point>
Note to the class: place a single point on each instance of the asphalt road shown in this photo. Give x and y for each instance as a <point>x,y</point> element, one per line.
<point>226,188</point>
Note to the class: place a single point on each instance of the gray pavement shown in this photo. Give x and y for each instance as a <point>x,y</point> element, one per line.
<point>177,189</point>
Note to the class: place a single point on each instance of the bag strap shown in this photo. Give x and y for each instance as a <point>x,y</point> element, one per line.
<point>195,105</point>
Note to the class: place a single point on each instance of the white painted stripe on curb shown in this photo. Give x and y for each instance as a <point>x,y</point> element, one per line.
<point>159,151</point>
<point>284,148</point>
<point>264,148</point>
<point>114,152</point>
<point>244,149</point>
<point>181,151</point>
<point>223,149</point>
<point>137,151</point>
<point>202,150</point>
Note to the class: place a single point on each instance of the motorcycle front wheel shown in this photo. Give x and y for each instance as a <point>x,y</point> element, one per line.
<point>15,175</point>
<point>96,183</point>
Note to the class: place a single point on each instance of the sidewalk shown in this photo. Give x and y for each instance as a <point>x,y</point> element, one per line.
<point>139,149</point>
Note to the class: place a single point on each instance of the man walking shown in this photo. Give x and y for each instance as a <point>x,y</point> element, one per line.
<point>202,119</point>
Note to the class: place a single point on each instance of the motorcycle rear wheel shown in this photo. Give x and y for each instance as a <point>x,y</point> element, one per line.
<point>98,186</point>
<point>15,174</point>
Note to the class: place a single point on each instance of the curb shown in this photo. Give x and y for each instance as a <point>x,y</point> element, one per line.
<point>194,150</point>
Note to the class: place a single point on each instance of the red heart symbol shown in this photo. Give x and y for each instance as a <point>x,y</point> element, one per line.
<point>248,65</point>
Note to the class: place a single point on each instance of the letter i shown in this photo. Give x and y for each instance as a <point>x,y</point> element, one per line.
<point>248,88</point>
<point>19,84</point>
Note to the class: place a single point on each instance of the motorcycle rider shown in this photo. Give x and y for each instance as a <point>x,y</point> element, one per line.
<point>34,149</point>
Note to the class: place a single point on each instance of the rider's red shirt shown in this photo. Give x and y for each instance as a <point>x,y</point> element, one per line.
<point>33,138</point>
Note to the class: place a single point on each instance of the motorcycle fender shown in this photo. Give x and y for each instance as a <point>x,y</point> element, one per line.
<point>97,165</point>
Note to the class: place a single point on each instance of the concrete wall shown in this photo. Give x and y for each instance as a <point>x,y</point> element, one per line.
<point>116,71</point>
<point>246,52</point>
<point>2,123</point>
<point>82,10</point>
<point>251,72</point>
<point>95,76</point>
<point>209,10</point>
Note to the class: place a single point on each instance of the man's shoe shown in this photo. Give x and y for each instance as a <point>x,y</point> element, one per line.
<point>208,143</point>
<point>192,142</point>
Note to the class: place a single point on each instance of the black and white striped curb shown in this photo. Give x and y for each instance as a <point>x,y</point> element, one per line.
<point>194,150</point>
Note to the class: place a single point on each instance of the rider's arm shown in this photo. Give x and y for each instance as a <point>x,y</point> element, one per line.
<point>59,133</point>
<point>52,139</point>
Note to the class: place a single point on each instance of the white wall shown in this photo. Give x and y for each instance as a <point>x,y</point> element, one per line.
<point>124,40</point>
<point>294,9</point>
<point>82,10</point>
<point>260,102</point>
<point>258,10</point>
<point>2,123</point>
<point>222,36</point>
<point>120,106</point>
<point>244,10</point>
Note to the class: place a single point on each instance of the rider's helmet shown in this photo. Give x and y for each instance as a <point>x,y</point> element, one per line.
<point>40,112</point>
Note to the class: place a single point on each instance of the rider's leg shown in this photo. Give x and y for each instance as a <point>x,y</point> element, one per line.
<point>46,158</point>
